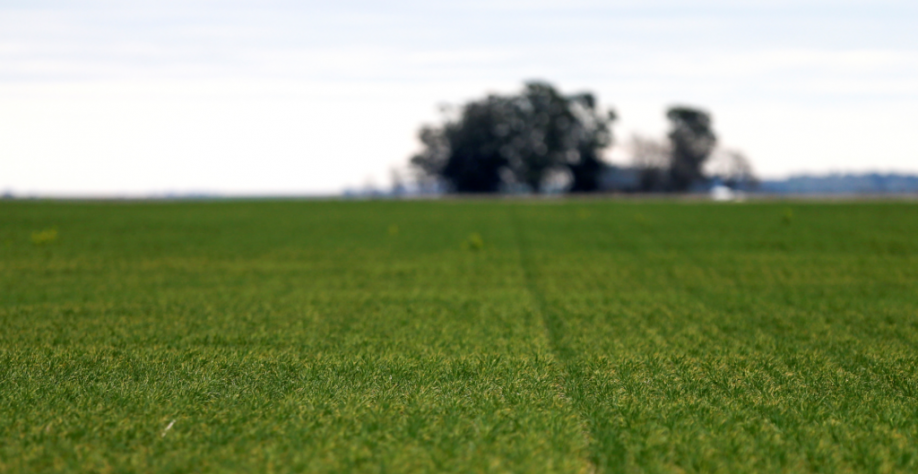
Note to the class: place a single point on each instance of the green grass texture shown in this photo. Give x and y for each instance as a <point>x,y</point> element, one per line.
<point>575,336</point>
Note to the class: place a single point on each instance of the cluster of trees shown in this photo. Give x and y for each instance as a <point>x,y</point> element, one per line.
<point>507,141</point>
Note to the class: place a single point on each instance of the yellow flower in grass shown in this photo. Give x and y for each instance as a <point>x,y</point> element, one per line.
<point>44,237</point>
<point>473,242</point>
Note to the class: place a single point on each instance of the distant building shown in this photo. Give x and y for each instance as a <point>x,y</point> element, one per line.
<point>620,179</point>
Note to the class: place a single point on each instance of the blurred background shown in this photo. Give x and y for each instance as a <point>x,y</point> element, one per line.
<point>200,97</point>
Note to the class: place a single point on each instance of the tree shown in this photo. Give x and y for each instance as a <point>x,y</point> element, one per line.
<point>591,133</point>
<point>692,141</point>
<point>733,169</point>
<point>652,159</point>
<point>538,133</point>
<point>525,136</point>
<point>467,152</point>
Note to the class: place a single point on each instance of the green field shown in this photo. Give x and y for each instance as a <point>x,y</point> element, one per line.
<point>458,336</point>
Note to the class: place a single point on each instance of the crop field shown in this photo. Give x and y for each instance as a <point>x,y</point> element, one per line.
<point>572,336</point>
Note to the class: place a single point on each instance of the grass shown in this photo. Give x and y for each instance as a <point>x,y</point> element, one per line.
<point>564,336</point>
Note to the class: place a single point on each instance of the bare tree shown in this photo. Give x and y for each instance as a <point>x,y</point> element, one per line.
<point>733,168</point>
<point>652,159</point>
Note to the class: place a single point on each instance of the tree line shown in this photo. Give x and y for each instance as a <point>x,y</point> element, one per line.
<point>522,140</point>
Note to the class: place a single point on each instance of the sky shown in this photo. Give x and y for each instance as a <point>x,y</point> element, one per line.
<point>106,98</point>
